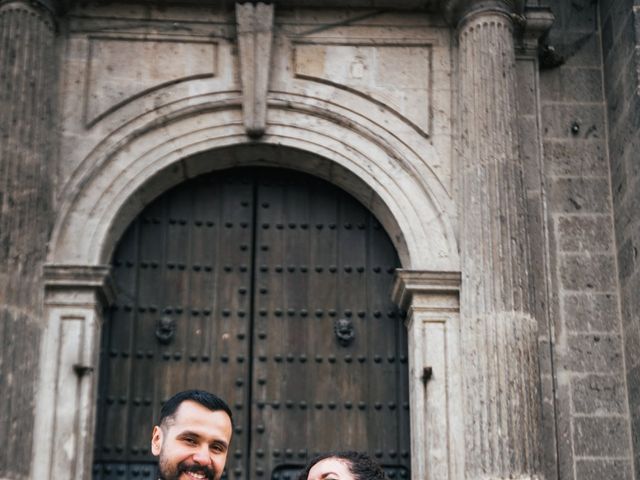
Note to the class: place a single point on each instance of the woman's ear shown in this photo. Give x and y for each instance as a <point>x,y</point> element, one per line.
<point>156,440</point>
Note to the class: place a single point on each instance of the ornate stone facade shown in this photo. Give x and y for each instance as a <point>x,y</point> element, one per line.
<point>435,115</point>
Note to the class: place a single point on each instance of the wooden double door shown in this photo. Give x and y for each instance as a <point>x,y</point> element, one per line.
<point>270,288</point>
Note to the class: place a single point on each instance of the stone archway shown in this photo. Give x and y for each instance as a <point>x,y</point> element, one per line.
<point>139,161</point>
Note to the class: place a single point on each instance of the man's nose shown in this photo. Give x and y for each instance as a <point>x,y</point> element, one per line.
<point>201,455</point>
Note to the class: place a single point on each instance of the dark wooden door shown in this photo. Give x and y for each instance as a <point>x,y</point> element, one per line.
<point>270,288</point>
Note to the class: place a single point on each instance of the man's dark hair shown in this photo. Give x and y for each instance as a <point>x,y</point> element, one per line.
<point>361,465</point>
<point>206,399</point>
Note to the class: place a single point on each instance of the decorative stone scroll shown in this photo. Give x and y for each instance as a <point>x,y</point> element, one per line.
<point>255,36</point>
<point>75,297</point>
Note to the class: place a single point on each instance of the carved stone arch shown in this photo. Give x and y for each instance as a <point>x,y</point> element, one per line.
<point>148,155</point>
<point>138,162</point>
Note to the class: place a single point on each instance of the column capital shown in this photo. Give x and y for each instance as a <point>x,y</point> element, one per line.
<point>52,6</point>
<point>410,284</point>
<point>46,10</point>
<point>459,11</point>
<point>89,278</point>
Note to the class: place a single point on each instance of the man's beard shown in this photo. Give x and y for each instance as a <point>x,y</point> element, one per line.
<point>168,473</point>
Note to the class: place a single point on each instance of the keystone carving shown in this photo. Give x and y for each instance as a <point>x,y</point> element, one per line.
<point>255,35</point>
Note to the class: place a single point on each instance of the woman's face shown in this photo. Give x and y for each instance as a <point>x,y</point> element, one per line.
<point>331,468</point>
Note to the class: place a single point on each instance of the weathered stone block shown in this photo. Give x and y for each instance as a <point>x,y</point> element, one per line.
<point>581,15</point>
<point>591,312</point>
<point>633,382</point>
<point>587,272</point>
<point>592,353</point>
<point>558,121</point>
<point>597,469</point>
<point>530,152</point>
<point>579,195</point>
<point>572,84</point>
<point>565,439</point>
<point>599,394</point>
<point>575,157</point>
<point>586,234</point>
<point>527,94</point>
<point>601,436</point>
<point>632,344</point>
<point>627,254</point>
<point>581,49</point>
<point>622,51</point>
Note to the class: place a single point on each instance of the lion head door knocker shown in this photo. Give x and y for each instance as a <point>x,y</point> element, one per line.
<point>165,329</point>
<point>343,328</point>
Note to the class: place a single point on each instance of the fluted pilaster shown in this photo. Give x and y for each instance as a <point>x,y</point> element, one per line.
<point>26,178</point>
<point>499,333</point>
<point>26,61</point>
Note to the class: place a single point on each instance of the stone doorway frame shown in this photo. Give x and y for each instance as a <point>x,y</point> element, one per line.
<point>147,157</point>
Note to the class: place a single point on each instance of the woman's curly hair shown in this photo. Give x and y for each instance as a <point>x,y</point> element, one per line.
<point>361,465</point>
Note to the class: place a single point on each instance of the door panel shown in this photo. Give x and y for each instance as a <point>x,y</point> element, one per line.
<point>186,262</point>
<point>234,282</point>
<point>321,258</point>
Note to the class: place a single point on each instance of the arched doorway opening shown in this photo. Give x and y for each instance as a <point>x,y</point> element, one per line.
<point>273,289</point>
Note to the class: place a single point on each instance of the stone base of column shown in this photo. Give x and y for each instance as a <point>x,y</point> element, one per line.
<point>501,395</point>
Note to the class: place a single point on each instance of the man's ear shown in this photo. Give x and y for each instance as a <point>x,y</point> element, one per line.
<point>156,440</point>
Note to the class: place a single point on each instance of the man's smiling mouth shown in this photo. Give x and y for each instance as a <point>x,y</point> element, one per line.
<point>197,472</point>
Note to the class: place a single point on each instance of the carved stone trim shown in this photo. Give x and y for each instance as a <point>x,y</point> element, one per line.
<point>46,10</point>
<point>409,283</point>
<point>457,12</point>
<point>255,36</point>
<point>538,21</point>
<point>81,277</point>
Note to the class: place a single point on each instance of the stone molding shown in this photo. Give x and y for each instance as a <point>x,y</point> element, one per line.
<point>410,284</point>
<point>46,10</point>
<point>255,37</point>
<point>457,12</point>
<point>412,205</point>
<point>529,23</point>
<point>80,277</point>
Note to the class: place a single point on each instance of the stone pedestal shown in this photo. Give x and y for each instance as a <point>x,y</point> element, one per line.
<point>27,83</point>
<point>498,330</point>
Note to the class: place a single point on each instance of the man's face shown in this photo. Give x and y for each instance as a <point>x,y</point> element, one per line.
<point>192,445</point>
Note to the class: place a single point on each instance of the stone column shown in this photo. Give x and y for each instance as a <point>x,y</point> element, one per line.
<point>498,329</point>
<point>26,182</point>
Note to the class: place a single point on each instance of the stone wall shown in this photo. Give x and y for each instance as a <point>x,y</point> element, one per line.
<point>593,435</point>
<point>620,26</point>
